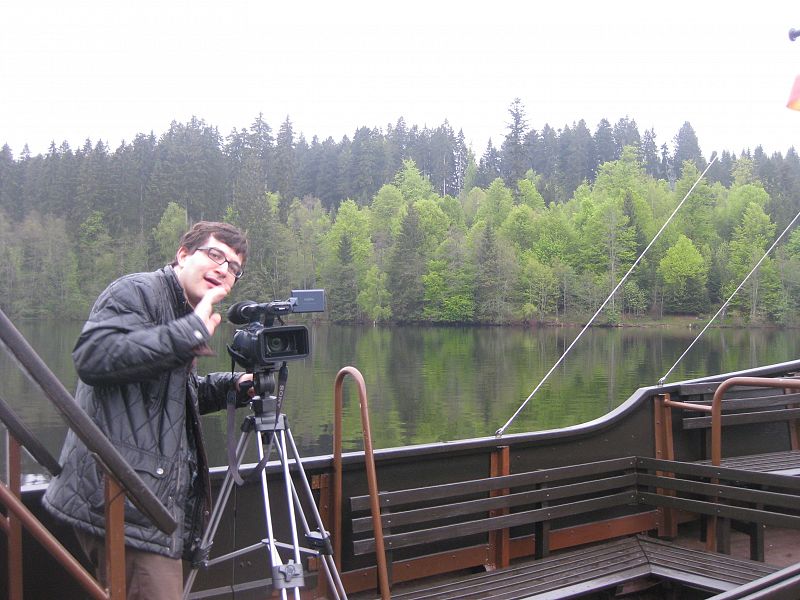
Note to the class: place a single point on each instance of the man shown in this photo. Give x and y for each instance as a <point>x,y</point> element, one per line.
<point>136,361</point>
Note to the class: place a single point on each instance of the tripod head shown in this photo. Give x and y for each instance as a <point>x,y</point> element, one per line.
<point>267,399</point>
<point>264,380</point>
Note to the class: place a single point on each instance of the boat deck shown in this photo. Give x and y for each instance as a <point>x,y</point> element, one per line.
<point>781,546</point>
<point>627,575</point>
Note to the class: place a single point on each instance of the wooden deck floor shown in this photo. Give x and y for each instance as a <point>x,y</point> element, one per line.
<point>782,548</point>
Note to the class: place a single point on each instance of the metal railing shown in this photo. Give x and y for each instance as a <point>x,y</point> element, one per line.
<point>121,479</point>
<point>372,478</point>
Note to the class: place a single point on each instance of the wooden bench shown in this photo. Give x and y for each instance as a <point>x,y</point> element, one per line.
<point>751,414</point>
<point>429,530</point>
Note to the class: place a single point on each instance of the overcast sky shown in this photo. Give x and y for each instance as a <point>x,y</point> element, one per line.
<point>109,70</point>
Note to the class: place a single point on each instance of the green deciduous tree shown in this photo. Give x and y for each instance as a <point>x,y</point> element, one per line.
<point>539,287</point>
<point>97,264</point>
<point>352,223</point>
<point>684,273</point>
<point>308,223</point>
<point>167,234</point>
<point>732,204</point>
<point>519,227</point>
<point>496,204</point>
<point>609,241</point>
<point>528,193</point>
<point>433,222</point>
<point>750,240</point>
<point>48,282</point>
<point>373,299</point>
<point>411,183</point>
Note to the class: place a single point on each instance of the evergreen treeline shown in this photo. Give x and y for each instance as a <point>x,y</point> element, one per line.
<point>407,225</point>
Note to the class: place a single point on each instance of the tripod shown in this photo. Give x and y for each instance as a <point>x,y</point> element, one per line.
<point>272,430</point>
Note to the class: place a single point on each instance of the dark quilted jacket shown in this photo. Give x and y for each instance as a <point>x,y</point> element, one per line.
<point>135,360</point>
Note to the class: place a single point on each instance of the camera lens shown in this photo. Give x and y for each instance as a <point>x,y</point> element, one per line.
<point>278,343</point>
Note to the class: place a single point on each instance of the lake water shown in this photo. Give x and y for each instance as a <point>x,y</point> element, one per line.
<point>430,384</point>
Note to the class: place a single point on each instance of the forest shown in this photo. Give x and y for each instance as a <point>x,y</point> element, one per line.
<point>407,224</point>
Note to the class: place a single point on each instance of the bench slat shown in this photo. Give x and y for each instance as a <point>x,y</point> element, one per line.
<point>548,572</point>
<point>462,529</point>
<point>722,510</point>
<point>731,569</point>
<point>698,389</point>
<point>724,492</point>
<point>706,469</point>
<point>764,416</point>
<point>483,505</point>
<point>388,499</point>
<point>784,400</point>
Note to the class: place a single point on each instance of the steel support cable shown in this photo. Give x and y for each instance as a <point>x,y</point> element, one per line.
<point>502,430</point>
<point>721,308</point>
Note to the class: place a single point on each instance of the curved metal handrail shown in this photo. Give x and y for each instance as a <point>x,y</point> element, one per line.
<point>716,405</point>
<point>372,478</point>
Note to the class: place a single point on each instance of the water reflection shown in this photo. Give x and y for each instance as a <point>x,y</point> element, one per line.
<point>433,384</point>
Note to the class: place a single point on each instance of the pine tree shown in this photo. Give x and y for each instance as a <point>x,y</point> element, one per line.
<point>405,270</point>
<point>604,142</point>
<point>626,133</point>
<point>284,167</point>
<point>649,155</point>
<point>687,148</point>
<point>512,151</point>
<point>577,157</point>
<point>343,291</point>
<point>10,184</point>
<point>488,167</point>
<point>492,288</point>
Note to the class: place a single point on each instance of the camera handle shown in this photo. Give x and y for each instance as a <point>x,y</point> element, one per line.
<point>272,430</point>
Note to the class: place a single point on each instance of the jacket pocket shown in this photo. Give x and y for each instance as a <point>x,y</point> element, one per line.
<point>157,474</point>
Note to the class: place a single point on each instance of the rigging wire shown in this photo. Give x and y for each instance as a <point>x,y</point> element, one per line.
<point>753,270</point>
<point>501,431</point>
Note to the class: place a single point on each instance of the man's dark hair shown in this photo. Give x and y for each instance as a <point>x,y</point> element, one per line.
<point>225,233</point>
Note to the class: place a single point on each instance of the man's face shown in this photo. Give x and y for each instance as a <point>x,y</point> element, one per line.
<point>198,274</point>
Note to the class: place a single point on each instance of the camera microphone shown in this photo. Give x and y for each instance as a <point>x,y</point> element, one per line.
<point>243,312</point>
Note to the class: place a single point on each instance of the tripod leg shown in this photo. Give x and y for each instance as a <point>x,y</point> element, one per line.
<point>290,506</point>
<point>326,554</point>
<point>216,513</point>
<point>290,575</point>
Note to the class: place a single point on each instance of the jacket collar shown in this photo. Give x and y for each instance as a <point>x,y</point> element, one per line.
<point>179,298</point>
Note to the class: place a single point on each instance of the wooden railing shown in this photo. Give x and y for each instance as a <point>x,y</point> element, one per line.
<point>120,479</point>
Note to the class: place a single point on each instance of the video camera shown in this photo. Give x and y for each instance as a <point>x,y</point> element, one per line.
<point>260,343</point>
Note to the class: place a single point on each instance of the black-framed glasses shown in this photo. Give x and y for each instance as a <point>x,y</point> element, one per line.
<point>218,256</point>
